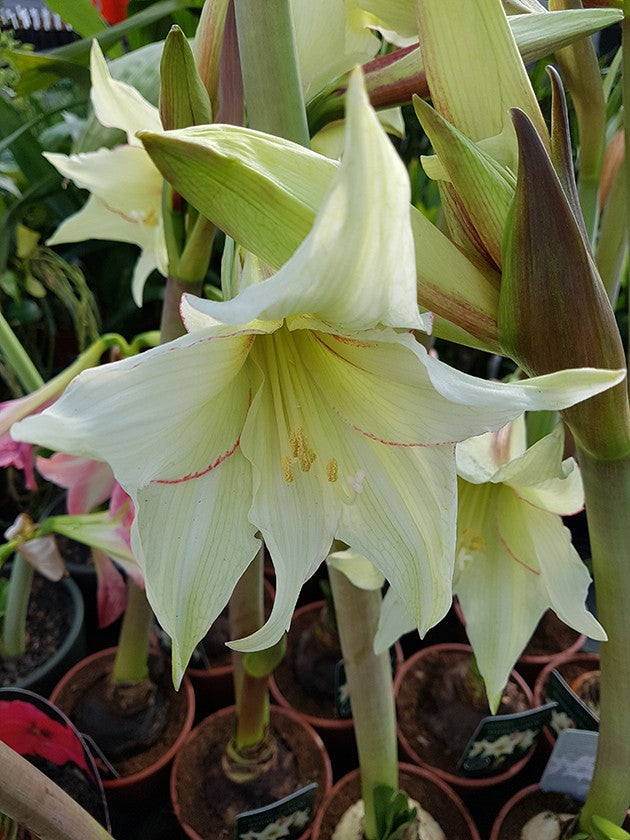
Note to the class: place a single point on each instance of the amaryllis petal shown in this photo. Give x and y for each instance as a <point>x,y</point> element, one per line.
<point>349,260</point>
<point>89,483</point>
<point>111,592</point>
<point>117,104</point>
<point>528,532</point>
<point>194,541</point>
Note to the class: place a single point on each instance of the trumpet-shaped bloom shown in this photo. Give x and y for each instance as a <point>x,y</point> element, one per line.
<point>514,557</point>
<point>299,410</point>
<point>511,543</point>
<point>126,189</point>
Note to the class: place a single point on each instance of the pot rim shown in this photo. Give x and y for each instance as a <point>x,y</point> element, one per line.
<point>160,762</point>
<point>228,711</point>
<point>451,778</point>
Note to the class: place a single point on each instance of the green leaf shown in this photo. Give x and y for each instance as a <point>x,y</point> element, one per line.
<point>603,829</point>
<point>80,14</point>
<point>393,814</point>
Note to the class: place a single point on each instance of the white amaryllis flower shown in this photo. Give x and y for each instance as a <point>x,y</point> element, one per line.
<point>514,557</point>
<point>126,188</point>
<point>297,409</point>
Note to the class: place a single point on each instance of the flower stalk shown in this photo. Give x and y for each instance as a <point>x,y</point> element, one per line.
<point>373,710</point>
<point>607,491</point>
<point>14,625</point>
<point>273,93</point>
<point>131,662</point>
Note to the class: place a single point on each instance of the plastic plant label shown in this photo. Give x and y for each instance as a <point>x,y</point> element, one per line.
<point>286,818</point>
<point>499,741</point>
<point>572,712</point>
<point>570,767</point>
<point>343,709</point>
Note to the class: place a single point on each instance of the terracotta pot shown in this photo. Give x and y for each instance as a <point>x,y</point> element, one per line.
<point>287,691</point>
<point>43,678</point>
<point>204,746</point>
<point>420,784</point>
<point>481,795</point>
<point>525,804</point>
<point>139,774</point>
<point>570,666</point>
<point>542,647</point>
<point>214,686</point>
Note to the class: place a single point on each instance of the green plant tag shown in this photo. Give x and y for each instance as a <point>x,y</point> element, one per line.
<point>572,713</point>
<point>290,816</point>
<point>499,741</point>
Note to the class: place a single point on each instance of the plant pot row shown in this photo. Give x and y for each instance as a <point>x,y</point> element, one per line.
<point>340,742</point>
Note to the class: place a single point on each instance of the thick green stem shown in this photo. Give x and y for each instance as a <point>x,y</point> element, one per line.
<point>611,252</point>
<point>625,71</point>
<point>581,74</point>
<point>18,359</point>
<point>246,616</point>
<point>370,684</point>
<point>132,654</point>
<point>171,325</point>
<point>14,626</point>
<point>271,79</point>
<point>36,802</point>
<point>607,492</point>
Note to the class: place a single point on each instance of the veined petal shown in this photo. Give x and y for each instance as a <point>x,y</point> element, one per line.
<point>89,483</point>
<point>294,506</point>
<point>117,104</point>
<point>495,588</point>
<point>473,66</point>
<point>479,458</point>
<point>528,531</point>
<point>93,418</point>
<point>393,623</point>
<point>96,221</point>
<point>394,15</point>
<point>494,403</point>
<point>329,42</point>
<point>356,267</point>
<point>123,178</point>
<point>199,556</point>
<point>403,520</point>
<point>144,266</point>
<point>563,495</point>
<point>360,571</point>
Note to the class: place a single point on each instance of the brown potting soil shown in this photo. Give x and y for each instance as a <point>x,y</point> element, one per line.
<point>306,675</point>
<point>96,670</point>
<point>48,620</point>
<point>428,795</point>
<point>436,711</point>
<point>209,803</point>
<point>550,636</point>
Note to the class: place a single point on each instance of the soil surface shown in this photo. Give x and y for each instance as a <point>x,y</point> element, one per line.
<point>72,694</point>
<point>48,620</point>
<point>209,802</point>
<point>550,636</point>
<point>306,675</point>
<point>429,795</point>
<point>436,711</point>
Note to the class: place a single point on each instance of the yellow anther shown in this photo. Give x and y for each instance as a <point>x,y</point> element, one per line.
<point>472,541</point>
<point>332,470</point>
<point>287,469</point>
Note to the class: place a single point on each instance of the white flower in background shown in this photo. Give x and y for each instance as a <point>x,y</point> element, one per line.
<point>125,204</point>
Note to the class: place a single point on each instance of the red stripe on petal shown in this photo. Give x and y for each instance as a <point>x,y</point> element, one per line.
<point>515,558</point>
<point>208,469</point>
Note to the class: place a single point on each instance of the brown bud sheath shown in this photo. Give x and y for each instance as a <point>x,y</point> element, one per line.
<point>553,309</point>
